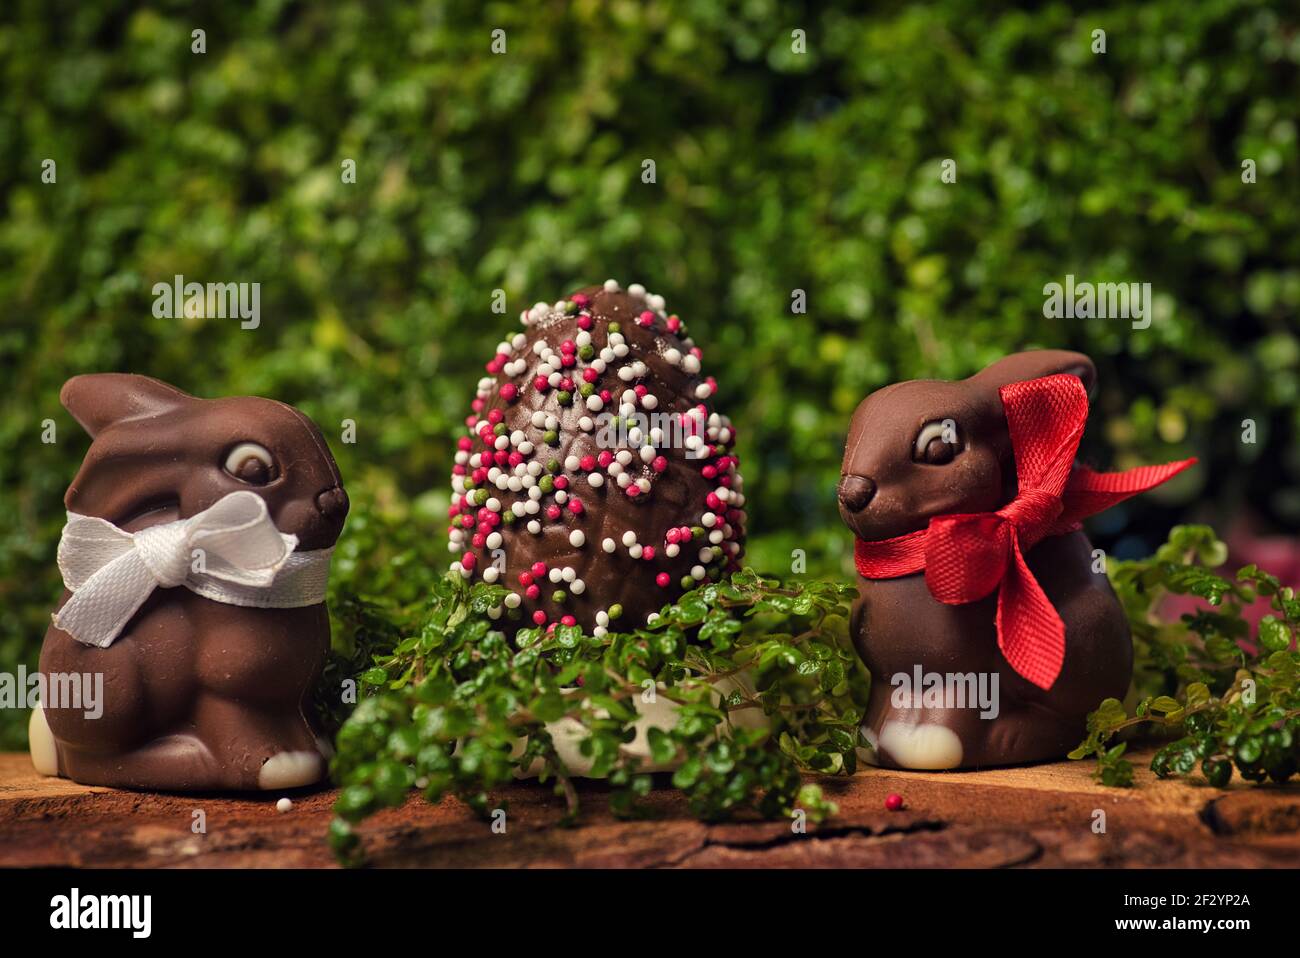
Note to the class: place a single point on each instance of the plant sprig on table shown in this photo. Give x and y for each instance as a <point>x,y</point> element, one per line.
<point>1230,695</point>
<point>453,706</point>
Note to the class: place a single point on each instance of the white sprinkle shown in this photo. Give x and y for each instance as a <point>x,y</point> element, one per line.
<point>555,574</point>
<point>649,400</point>
<point>539,419</point>
<point>708,520</point>
<point>284,805</point>
<point>635,552</point>
<point>512,600</point>
<point>672,550</point>
<point>535,527</point>
<point>602,617</point>
<point>577,538</point>
<point>595,403</point>
<point>494,540</point>
<point>609,545</point>
<point>636,289</point>
<point>595,480</point>
<point>629,538</point>
<point>611,286</point>
<point>568,573</point>
<point>578,587</point>
<point>490,573</point>
<point>697,572</point>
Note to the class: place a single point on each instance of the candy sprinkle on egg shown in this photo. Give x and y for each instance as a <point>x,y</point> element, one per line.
<point>593,451</point>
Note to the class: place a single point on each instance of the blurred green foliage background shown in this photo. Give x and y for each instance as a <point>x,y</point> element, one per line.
<point>776,171</point>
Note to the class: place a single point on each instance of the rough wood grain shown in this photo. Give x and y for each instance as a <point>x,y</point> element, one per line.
<point>1027,817</point>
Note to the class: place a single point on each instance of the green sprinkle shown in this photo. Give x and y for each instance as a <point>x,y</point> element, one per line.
<point>586,352</point>
<point>546,484</point>
<point>558,596</point>
<point>586,389</point>
<point>614,327</point>
<point>615,611</point>
<point>564,397</point>
<point>507,517</point>
<point>550,437</point>
<point>697,532</point>
<point>553,466</point>
<point>499,429</point>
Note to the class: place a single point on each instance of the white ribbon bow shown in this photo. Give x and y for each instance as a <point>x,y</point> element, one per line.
<point>246,561</point>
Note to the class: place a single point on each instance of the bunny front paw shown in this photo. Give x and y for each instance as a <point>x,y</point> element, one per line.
<point>291,770</point>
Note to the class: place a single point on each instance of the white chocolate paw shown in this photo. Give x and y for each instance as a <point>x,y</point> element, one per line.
<point>921,746</point>
<point>291,770</point>
<point>45,754</point>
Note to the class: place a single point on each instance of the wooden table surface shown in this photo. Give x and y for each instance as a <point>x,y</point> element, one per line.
<point>1039,816</point>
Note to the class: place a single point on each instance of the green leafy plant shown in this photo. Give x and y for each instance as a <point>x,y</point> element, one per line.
<point>452,705</point>
<point>1229,694</point>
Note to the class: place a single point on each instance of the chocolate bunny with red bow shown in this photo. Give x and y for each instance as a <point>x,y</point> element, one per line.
<point>984,616</point>
<point>195,559</point>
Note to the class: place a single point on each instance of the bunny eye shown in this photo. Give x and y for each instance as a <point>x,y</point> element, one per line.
<point>936,443</point>
<point>251,463</point>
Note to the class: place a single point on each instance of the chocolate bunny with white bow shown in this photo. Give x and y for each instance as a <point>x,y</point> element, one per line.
<point>987,622</point>
<point>195,557</point>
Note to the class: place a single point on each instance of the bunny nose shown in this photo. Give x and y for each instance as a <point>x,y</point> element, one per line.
<point>332,502</point>
<point>855,492</point>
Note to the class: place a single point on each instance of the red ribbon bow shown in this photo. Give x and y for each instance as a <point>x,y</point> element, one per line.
<point>966,557</point>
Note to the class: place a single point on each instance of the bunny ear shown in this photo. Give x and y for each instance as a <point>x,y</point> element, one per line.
<point>1035,364</point>
<point>100,399</point>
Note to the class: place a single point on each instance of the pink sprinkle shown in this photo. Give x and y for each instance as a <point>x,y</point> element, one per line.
<point>540,384</point>
<point>673,536</point>
<point>478,540</point>
<point>662,579</point>
<point>568,346</point>
<point>552,512</point>
<point>525,578</point>
<point>605,458</point>
<point>568,620</point>
<point>464,443</point>
<point>509,392</point>
<point>584,321</point>
<point>640,391</point>
<point>713,502</point>
<point>648,553</point>
<point>581,299</point>
<point>468,560</point>
<point>561,482</point>
<point>674,324</point>
<point>633,490</point>
<point>539,617</point>
<point>575,506</point>
<point>532,592</point>
<point>708,472</point>
<point>539,569</point>
<point>590,375</point>
<point>587,463</point>
<point>659,464</point>
<point>647,318</point>
<point>495,416</point>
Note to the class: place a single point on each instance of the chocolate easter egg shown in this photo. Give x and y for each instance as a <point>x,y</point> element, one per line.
<point>596,479</point>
